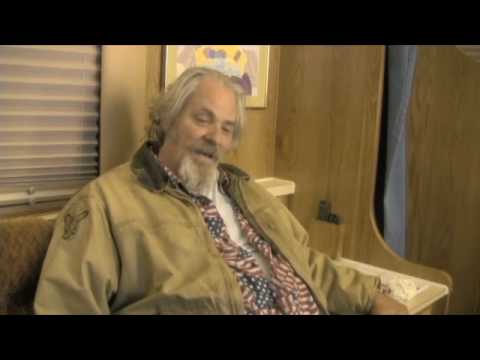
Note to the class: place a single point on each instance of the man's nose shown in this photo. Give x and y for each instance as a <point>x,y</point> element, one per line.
<point>213,135</point>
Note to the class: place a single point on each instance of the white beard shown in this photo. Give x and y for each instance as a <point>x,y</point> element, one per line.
<point>197,179</point>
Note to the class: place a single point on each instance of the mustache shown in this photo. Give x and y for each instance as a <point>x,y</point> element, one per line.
<point>210,150</point>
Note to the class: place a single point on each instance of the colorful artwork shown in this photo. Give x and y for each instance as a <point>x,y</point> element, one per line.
<point>245,64</point>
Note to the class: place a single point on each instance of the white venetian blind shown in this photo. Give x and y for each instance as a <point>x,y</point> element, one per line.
<point>49,123</point>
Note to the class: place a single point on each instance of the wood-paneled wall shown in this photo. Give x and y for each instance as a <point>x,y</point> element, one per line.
<point>444,170</point>
<point>328,127</point>
<point>327,136</point>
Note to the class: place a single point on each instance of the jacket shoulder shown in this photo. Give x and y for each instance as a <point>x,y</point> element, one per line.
<point>113,178</point>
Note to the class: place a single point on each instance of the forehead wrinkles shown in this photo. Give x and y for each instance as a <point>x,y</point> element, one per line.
<point>214,96</point>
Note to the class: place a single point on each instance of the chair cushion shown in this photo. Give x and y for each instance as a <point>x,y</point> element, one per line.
<point>23,245</point>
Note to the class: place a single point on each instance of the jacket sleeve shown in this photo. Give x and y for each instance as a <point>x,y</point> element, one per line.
<point>346,290</point>
<point>81,269</point>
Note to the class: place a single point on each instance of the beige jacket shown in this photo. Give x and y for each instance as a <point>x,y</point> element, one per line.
<point>128,243</point>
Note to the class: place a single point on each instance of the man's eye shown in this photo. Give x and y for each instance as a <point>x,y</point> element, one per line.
<point>201,119</point>
<point>227,129</point>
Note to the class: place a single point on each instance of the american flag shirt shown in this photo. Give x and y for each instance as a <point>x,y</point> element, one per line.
<point>282,291</point>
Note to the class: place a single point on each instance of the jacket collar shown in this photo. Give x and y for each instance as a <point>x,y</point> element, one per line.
<point>148,171</point>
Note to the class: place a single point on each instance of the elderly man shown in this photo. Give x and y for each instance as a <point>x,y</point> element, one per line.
<point>175,231</point>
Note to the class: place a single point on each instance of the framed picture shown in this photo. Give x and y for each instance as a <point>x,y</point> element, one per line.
<point>246,64</point>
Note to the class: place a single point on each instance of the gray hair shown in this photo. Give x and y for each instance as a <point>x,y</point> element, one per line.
<point>166,108</point>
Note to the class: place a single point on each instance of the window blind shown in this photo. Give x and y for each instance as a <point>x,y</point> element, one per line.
<point>49,123</point>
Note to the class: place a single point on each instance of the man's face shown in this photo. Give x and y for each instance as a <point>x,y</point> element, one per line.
<point>204,130</point>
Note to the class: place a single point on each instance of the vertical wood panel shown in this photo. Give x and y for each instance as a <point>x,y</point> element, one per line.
<point>327,142</point>
<point>444,170</point>
<point>328,107</point>
<point>154,71</point>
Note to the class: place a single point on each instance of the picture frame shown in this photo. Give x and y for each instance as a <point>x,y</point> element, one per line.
<point>247,64</point>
